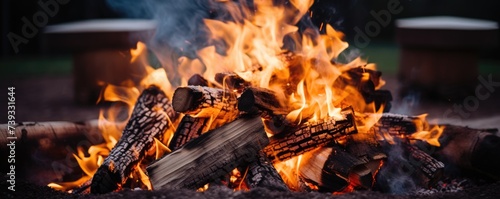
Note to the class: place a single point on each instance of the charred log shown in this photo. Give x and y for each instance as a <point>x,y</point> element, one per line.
<point>396,124</point>
<point>218,151</point>
<point>467,150</point>
<point>255,99</point>
<point>231,81</point>
<point>205,102</point>
<point>188,129</point>
<point>308,136</point>
<point>261,173</point>
<point>150,118</point>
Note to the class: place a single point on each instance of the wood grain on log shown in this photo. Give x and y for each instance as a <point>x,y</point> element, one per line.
<point>308,136</point>
<point>210,156</point>
<point>150,118</point>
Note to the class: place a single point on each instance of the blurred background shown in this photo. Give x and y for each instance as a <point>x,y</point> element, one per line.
<point>43,76</point>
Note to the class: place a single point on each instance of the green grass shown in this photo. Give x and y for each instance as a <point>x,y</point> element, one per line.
<point>35,65</point>
<point>384,54</point>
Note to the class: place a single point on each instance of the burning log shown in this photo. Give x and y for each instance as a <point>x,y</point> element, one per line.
<point>231,81</point>
<point>308,136</point>
<point>218,151</point>
<point>429,166</point>
<point>205,102</point>
<point>332,169</point>
<point>406,168</point>
<point>188,129</point>
<point>470,151</point>
<point>255,99</point>
<point>150,118</point>
<point>265,102</point>
<point>261,173</point>
<point>396,124</point>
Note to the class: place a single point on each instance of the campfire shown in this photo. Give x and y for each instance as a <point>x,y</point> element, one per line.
<point>266,103</point>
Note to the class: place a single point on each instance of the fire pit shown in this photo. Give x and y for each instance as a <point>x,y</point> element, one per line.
<point>264,108</point>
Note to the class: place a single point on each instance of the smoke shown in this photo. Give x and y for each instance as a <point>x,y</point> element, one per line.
<point>180,24</point>
<point>396,175</point>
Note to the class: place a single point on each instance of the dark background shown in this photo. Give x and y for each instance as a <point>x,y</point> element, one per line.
<point>342,14</point>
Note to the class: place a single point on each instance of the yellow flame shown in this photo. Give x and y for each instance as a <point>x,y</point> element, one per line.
<point>430,136</point>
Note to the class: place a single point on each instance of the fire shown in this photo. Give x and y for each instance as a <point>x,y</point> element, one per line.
<point>112,120</point>
<point>266,49</point>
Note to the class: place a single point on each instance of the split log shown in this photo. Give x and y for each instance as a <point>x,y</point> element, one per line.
<point>150,118</point>
<point>210,156</point>
<point>310,135</point>
<point>312,171</point>
<point>261,173</point>
<point>201,101</point>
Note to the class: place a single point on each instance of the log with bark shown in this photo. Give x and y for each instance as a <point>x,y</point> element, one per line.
<point>51,131</point>
<point>210,156</point>
<point>407,168</point>
<point>201,101</point>
<point>467,151</point>
<point>261,173</point>
<point>150,118</point>
<point>309,135</point>
<point>231,81</point>
<point>397,124</point>
<point>190,127</point>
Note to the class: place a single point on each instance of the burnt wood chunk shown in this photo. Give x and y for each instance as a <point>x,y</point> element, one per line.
<point>429,166</point>
<point>396,124</point>
<point>150,118</point>
<point>261,173</point>
<point>210,156</point>
<point>203,101</point>
<point>188,129</point>
<point>308,136</point>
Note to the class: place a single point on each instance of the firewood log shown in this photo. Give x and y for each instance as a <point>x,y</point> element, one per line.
<point>199,101</point>
<point>308,136</point>
<point>473,152</point>
<point>397,124</point>
<point>210,156</point>
<point>51,131</point>
<point>231,81</point>
<point>254,99</point>
<point>188,129</point>
<point>261,173</point>
<point>150,118</point>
